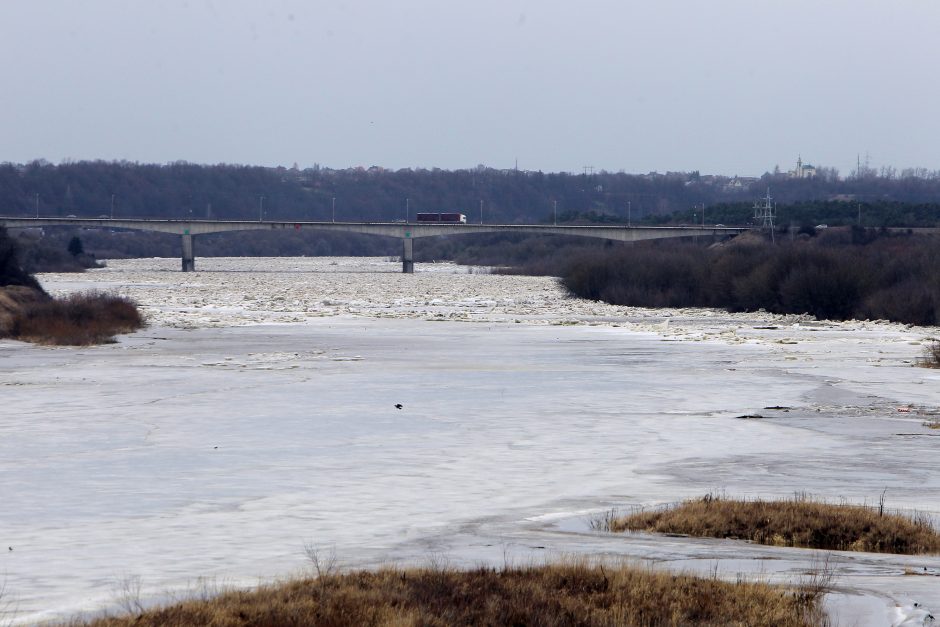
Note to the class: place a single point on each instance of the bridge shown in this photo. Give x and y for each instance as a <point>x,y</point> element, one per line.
<point>406,231</point>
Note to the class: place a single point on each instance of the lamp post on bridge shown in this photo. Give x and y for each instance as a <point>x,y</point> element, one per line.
<point>37,204</point>
<point>260,208</point>
<point>112,206</point>
<point>333,219</point>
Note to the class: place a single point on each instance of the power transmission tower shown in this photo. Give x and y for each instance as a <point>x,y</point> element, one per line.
<point>765,210</point>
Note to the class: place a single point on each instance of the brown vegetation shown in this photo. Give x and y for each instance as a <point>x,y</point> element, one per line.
<point>799,522</point>
<point>27,313</point>
<point>569,594</point>
<point>13,299</point>
<point>76,320</point>
<point>931,358</point>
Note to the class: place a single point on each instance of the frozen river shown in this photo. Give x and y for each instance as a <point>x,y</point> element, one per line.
<point>257,414</point>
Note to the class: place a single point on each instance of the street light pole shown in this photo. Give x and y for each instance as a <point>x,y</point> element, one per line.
<point>260,208</point>
<point>333,219</point>
<point>555,205</point>
<point>407,209</point>
<point>112,206</point>
<point>37,204</point>
<point>481,211</point>
<point>629,213</point>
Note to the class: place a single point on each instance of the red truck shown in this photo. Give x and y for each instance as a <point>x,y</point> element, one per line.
<point>442,217</point>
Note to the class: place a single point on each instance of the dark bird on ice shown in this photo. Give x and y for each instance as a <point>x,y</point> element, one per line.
<point>398,405</point>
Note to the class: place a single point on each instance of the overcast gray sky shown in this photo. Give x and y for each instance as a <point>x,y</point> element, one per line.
<point>721,86</point>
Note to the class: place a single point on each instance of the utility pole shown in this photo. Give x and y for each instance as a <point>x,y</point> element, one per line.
<point>260,208</point>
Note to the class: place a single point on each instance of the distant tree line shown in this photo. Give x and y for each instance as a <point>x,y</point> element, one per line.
<point>805,215</point>
<point>184,190</point>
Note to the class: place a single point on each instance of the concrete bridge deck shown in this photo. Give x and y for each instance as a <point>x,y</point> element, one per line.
<point>406,231</point>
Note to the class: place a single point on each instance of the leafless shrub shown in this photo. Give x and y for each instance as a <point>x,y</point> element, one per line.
<point>323,559</point>
<point>931,356</point>
<point>127,594</point>
<point>818,581</point>
<point>7,608</point>
<point>603,520</point>
<point>205,588</point>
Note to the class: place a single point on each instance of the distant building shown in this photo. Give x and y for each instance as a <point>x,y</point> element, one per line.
<point>803,170</point>
<point>741,182</point>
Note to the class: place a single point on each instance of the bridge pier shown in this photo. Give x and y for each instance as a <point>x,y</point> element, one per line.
<point>189,259</point>
<point>408,256</point>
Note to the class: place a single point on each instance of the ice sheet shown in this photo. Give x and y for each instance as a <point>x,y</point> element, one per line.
<point>257,414</point>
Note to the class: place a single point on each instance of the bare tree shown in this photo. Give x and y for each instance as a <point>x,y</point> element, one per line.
<point>323,560</point>
<point>127,594</point>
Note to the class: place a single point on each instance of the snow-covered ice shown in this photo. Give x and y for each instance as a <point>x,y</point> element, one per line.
<point>256,415</point>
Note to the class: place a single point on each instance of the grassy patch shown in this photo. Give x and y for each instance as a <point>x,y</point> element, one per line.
<point>76,320</point>
<point>568,594</point>
<point>931,356</point>
<point>799,521</point>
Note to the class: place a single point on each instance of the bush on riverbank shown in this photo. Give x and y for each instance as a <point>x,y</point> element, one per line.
<point>799,522</point>
<point>27,313</point>
<point>11,269</point>
<point>931,357</point>
<point>47,254</point>
<point>891,277</point>
<point>570,594</point>
<point>76,320</point>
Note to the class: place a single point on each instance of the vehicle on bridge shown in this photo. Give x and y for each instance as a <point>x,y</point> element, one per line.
<point>442,217</point>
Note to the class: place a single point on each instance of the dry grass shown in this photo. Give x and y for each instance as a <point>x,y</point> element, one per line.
<point>568,594</point>
<point>800,522</point>
<point>931,356</point>
<point>77,320</point>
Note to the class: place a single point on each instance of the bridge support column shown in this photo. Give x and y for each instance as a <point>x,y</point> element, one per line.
<point>189,259</point>
<point>408,256</point>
